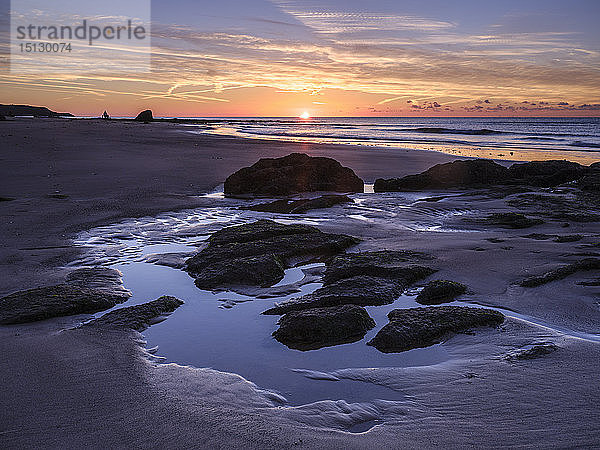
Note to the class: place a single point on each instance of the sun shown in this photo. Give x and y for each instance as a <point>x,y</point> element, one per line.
<point>305,115</point>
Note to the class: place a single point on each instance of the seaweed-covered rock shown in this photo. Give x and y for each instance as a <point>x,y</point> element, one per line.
<point>138,317</point>
<point>397,265</point>
<point>86,291</point>
<point>533,351</point>
<point>422,327</point>
<point>145,116</point>
<point>284,206</point>
<point>546,173</point>
<point>292,174</point>
<point>568,238</point>
<point>312,329</point>
<point>455,174</point>
<point>583,265</point>
<point>257,253</point>
<point>440,291</point>
<point>360,290</point>
<point>509,220</point>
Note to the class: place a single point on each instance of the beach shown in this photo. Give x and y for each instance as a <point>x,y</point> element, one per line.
<point>74,387</point>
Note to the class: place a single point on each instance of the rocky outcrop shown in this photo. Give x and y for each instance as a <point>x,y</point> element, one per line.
<point>292,174</point>
<point>456,174</point>
<point>26,110</point>
<point>462,174</point>
<point>85,291</point>
<point>300,206</point>
<point>563,272</point>
<point>400,266</point>
<point>509,220</point>
<point>256,254</point>
<point>590,182</point>
<point>360,290</point>
<point>138,317</point>
<point>546,173</point>
<point>440,291</point>
<point>145,116</point>
<point>422,327</point>
<point>312,329</point>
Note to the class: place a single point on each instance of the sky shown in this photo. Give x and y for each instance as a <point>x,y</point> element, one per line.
<point>343,58</point>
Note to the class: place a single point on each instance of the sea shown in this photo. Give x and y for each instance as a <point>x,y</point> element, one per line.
<point>519,139</point>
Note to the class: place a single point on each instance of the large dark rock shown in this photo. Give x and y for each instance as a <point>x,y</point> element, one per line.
<point>256,254</point>
<point>360,290</point>
<point>546,173</point>
<point>145,116</point>
<point>456,174</point>
<point>292,174</point>
<point>86,291</point>
<point>323,327</point>
<point>2,117</point>
<point>26,110</point>
<point>284,206</point>
<point>138,317</point>
<point>440,291</point>
<point>509,220</point>
<point>583,265</point>
<point>590,182</point>
<point>396,265</point>
<point>422,327</point>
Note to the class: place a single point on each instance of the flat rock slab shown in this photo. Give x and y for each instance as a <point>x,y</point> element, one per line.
<point>138,317</point>
<point>86,291</point>
<point>284,206</point>
<point>508,220</point>
<point>359,290</point>
<point>312,329</point>
<point>256,254</point>
<point>562,272</point>
<point>440,291</point>
<point>422,327</point>
<point>396,265</point>
<point>292,174</point>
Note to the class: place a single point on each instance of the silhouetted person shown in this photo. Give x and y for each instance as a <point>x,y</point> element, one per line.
<point>105,115</point>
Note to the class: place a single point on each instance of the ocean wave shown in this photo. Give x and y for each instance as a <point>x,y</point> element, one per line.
<point>584,144</point>
<point>439,130</point>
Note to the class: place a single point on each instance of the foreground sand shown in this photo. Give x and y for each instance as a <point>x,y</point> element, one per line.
<point>78,388</point>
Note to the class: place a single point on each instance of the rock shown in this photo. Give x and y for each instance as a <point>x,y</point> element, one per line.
<point>595,166</point>
<point>2,117</point>
<point>590,182</point>
<point>312,329</point>
<point>300,206</point>
<point>456,174</point>
<point>509,220</point>
<point>396,265</point>
<point>86,291</point>
<point>422,327</point>
<point>145,116</point>
<point>568,238</point>
<point>534,351</point>
<point>360,290</point>
<point>440,291</point>
<point>563,272</point>
<point>292,174</point>
<point>138,317</point>
<point>546,173</point>
<point>256,254</point>
<point>540,236</point>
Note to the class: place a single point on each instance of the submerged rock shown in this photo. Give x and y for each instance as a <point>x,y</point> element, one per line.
<point>300,206</point>
<point>396,265</point>
<point>86,291</point>
<point>533,351</point>
<point>422,327</point>
<point>256,254</point>
<point>145,116</point>
<point>359,290</point>
<point>509,220</point>
<point>456,174</point>
<point>292,174</point>
<point>138,317</point>
<point>563,272</point>
<point>440,291</point>
<point>312,329</point>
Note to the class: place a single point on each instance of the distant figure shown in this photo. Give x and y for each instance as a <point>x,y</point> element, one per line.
<point>105,116</point>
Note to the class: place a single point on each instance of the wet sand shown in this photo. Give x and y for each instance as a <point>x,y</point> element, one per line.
<point>73,388</point>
